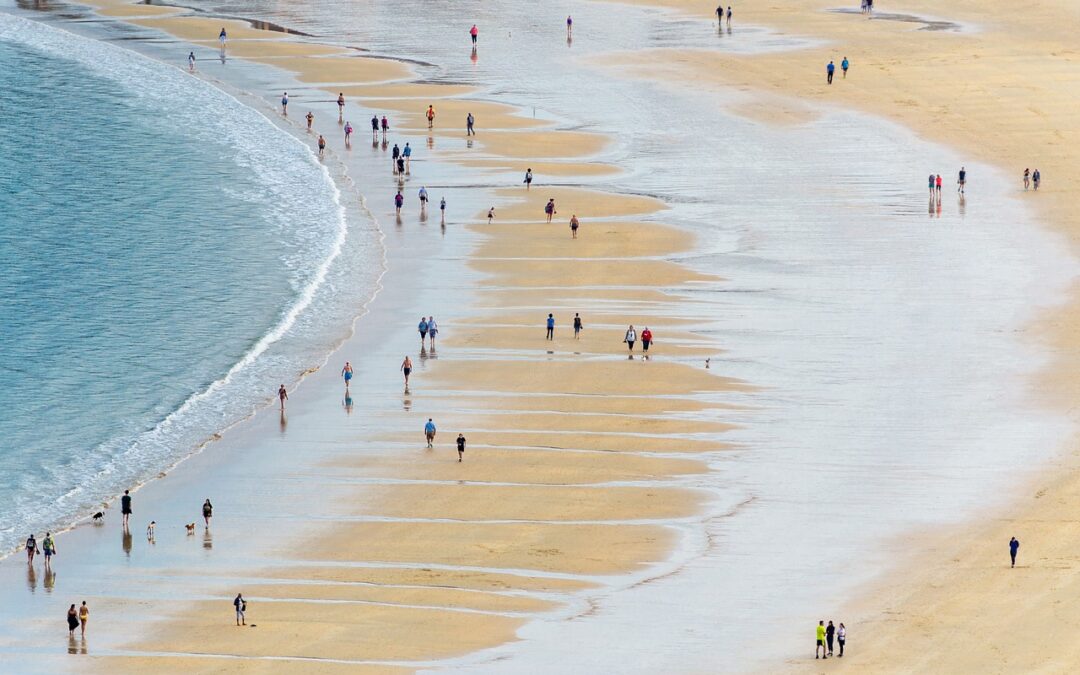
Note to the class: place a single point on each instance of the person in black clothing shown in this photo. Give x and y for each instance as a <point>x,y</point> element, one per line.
<point>460,446</point>
<point>1014,546</point>
<point>577,325</point>
<point>125,507</point>
<point>830,633</point>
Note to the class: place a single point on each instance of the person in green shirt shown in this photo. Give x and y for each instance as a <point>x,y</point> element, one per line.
<point>820,641</point>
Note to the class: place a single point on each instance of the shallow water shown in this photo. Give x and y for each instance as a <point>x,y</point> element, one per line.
<point>885,335</point>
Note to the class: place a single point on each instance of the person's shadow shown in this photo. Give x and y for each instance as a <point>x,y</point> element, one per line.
<point>207,539</point>
<point>126,542</point>
<point>31,578</point>
<point>284,422</point>
<point>348,402</point>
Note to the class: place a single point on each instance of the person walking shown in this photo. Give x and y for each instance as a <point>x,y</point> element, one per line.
<point>347,373</point>
<point>470,121</point>
<point>341,105</point>
<point>549,208</point>
<point>630,338</point>
<point>841,638</point>
<point>407,154</point>
<point>395,152</point>
<point>430,116</point>
<point>460,447</point>
<point>1027,178</point>
<point>820,640</point>
<point>930,184</point>
<point>348,134</point>
<point>310,117</point>
<point>222,37</point>
<point>241,606</point>
<point>491,214</point>
<point>125,508</point>
<point>442,210</point>
<point>573,226</point>
<point>729,17</point>
<point>282,396</point>
<point>84,617</point>
<point>422,328</point>
<point>961,179</point>
<point>285,103</point>
<point>473,32</point>
<point>31,549</point>
<point>423,199</point>
<point>550,327</point>
<point>429,432</point>
<point>385,127</point>
<point>569,27</point>
<point>322,145</point>
<point>399,200</point>
<point>433,330</point>
<point>829,70</point>
<point>1035,178</point>
<point>830,634</point>
<point>844,65</point>
<point>937,184</point>
<point>528,178</point>
<point>720,16</point>
<point>406,367</point>
<point>207,512</point>
<point>577,325</point>
<point>191,62</point>
<point>72,620</point>
<point>375,128</point>
<point>1014,546</point>
<point>646,340</point>
<point>48,547</point>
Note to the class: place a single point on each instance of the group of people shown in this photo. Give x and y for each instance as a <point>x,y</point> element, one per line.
<point>826,636</point>
<point>429,437</point>
<point>631,336</point>
<point>720,15</point>
<point>830,69</point>
<point>867,6</point>
<point>427,329</point>
<point>1031,178</point>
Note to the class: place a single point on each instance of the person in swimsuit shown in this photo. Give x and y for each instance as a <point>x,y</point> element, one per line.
<point>961,179</point>
<point>322,145</point>
<point>48,547</point>
<point>31,549</point>
<point>310,119</point>
<point>474,31</point>
<point>442,210</point>
<point>222,37</point>
<point>407,154</point>
<point>125,508</point>
<point>429,432</point>
<point>577,325</point>
<point>84,617</point>
<point>282,396</point>
<point>573,226</point>
<point>406,367</point>
<point>207,512</point>
<point>73,621</point>
<point>430,116</point>
<point>422,328</point>
<point>630,338</point>
<point>341,104</point>
<point>346,373</point>
<point>460,446</point>
<point>469,122</point>
<point>433,330</point>
<point>1027,178</point>
<point>646,339</point>
<point>399,199</point>
<point>191,61</point>
<point>549,209</point>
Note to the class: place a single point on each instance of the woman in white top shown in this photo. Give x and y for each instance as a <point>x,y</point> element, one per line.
<point>631,337</point>
<point>433,330</point>
<point>841,637</point>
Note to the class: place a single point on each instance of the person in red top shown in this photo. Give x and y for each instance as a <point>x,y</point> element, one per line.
<point>939,184</point>
<point>473,32</point>
<point>646,339</point>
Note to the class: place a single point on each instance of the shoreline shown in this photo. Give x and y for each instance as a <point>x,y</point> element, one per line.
<point>502,210</point>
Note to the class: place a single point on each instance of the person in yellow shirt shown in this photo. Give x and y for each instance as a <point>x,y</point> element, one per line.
<point>820,641</point>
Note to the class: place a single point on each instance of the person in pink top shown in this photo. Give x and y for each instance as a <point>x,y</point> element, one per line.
<point>938,184</point>
<point>474,31</point>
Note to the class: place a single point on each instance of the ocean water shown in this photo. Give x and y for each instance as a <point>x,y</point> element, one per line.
<point>165,253</point>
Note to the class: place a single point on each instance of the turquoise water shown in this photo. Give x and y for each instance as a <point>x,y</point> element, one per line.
<point>160,242</point>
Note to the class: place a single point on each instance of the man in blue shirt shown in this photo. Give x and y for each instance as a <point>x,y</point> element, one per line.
<point>1014,546</point>
<point>844,65</point>
<point>429,432</point>
<point>829,70</point>
<point>407,154</point>
<point>550,327</point>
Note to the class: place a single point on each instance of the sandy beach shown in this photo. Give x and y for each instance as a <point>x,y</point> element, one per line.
<point>589,469</point>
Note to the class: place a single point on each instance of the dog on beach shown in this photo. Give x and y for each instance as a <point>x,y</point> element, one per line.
<point>190,528</point>
<point>150,530</point>
<point>99,517</point>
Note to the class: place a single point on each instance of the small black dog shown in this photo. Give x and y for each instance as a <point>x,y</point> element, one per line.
<point>99,517</point>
